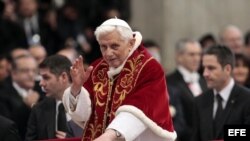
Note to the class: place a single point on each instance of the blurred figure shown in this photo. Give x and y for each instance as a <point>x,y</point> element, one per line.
<point>4,69</point>
<point>38,52</point>
<point>241,70</point>
<point>70,53</point>
<point>11,34</point>
<point>20,96</point>
<point>207,41</point>
<point>153,48</point>
<point>30,21</point>
<point>48,119</point>
<point>9,10</point>
<point>247,44</point>
<point>17,52</point>
<point>186,83</point>
<point>232,37</point>
<point>8,130</point>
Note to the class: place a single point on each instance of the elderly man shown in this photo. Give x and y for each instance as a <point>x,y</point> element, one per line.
<point>124,95</point>
<point>232,37</point>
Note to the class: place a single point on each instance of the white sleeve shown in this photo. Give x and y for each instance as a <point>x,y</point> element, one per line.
<point>128,125</point>
<point>78,108</point>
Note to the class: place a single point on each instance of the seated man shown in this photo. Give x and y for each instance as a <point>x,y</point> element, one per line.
<point>48,119</point>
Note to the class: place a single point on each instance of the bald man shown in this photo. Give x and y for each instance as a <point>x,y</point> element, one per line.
<point>232,37</point>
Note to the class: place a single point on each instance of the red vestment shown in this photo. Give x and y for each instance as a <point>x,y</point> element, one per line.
<point>141,84</point>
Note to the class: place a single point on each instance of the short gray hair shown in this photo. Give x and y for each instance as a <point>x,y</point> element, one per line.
<point>180,45</point>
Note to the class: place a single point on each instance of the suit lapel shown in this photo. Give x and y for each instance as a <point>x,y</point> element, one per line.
<point>183,84</point>
<point>207,116</point>
<point>228,110</point>
<point>50,123</point>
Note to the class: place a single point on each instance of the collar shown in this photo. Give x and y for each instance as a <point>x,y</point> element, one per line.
<point>22,92</point>
<point>189,77</point>
<point>114,71</point>
<point>225,92</point>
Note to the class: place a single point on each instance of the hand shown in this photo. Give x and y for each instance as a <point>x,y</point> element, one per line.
<point>31,98</point>
<point>79,75</point>
<point>109,135</point>
<point>60,134</point>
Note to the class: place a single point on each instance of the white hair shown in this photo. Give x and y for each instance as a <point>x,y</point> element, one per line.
<point>126,33</point>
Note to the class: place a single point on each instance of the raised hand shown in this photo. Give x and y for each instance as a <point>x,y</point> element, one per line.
<point>79,75</point>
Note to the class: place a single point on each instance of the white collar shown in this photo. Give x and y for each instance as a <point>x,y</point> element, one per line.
<point>21,91</point>
<point>225,92</point>
<point>189,77</point>
<point>114,71</point>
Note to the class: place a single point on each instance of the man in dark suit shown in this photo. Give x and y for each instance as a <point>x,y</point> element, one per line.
<point>19,95</point>
<point>226,103</point>
<point>186,83</point>
<point>8,130</point>
<point>48,119</point>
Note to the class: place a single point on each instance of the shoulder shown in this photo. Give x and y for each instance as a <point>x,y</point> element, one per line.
<point>241,92</point>
<point>204,96</point>
<point>46,103</point>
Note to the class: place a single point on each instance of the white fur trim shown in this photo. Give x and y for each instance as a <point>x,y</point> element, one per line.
<point>148,122</point>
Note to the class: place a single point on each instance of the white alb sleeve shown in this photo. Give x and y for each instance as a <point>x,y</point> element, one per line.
<point>78,108</point>
<point>128,125</point>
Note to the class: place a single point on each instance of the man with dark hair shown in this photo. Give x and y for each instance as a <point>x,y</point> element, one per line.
<point>226,103</point>
<point>48,119</point>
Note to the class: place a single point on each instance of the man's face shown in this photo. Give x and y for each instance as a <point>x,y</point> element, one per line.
<point>114,49</point>
<point>53,85</point>
<point>234,40</point>
<point>216,76</point>
<point>191,57</point>
<point>25,72</point>
<point>38,53</point>
<point>27,7</point>
<point>4,69</point>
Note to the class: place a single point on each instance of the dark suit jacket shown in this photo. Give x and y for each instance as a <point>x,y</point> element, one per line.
<point>176,84</point>
<point>15,108</point>
<point>237,111</point>
<point>41,124</point>
<point>8,130</point>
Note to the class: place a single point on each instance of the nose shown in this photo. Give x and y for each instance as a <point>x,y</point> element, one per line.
<point>205,72</point>
<point>42,83</point>
<point>108,52</point>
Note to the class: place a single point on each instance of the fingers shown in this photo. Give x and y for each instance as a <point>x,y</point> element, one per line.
<point>60,134</point>
<point>88,71</point>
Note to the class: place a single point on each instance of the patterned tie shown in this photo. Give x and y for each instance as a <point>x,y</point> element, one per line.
<point>218,113</point>
<point>61,119</point>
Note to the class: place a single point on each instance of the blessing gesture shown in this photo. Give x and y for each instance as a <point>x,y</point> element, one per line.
<point>79,75</point>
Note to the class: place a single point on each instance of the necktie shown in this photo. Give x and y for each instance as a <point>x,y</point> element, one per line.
<point>218,113</point>
<point>61,119</point>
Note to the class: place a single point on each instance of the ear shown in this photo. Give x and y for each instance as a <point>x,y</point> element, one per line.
<point>64,77</point>
<point>228,69</point>
<point>131,43</point>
